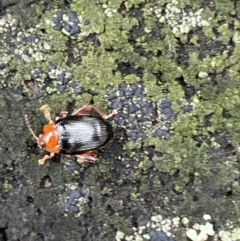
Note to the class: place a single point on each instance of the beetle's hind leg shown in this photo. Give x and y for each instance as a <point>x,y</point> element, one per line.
<point>102,114</point>
<point>90,156</point>
<point>86,109</point>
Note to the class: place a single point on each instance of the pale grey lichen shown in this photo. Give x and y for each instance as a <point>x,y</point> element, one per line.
<point>180,20</point>
<point>236,37</point>
<point>110,12</point>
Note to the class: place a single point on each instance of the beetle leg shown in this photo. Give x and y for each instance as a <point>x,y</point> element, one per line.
<point>85,110</point>
<point>89,156</point>
<point>46,157</point>
<point>102,114</point>
<point>46,111</point>
<point>63,114</point>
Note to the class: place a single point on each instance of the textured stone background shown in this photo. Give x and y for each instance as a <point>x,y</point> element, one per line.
<point>172,170</point>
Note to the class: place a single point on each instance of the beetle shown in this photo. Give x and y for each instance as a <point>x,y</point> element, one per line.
<point>79,134</point>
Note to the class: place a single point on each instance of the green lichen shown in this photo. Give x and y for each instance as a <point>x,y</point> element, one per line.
<point>190,159</point>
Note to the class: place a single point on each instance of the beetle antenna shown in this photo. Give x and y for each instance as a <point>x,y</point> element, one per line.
<point>30,128</point>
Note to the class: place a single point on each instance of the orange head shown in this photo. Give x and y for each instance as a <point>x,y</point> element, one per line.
<point>49,137</point>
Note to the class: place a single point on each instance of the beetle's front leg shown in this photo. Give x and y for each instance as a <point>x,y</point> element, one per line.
<point>46,111</point>
<point>63,114</point>
<point>90,156</point>
<point>46,157</point>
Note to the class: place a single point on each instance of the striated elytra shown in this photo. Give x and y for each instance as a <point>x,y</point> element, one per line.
<point>82,133</point>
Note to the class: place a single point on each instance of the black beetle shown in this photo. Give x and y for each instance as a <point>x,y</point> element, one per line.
<point>79,134</point>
